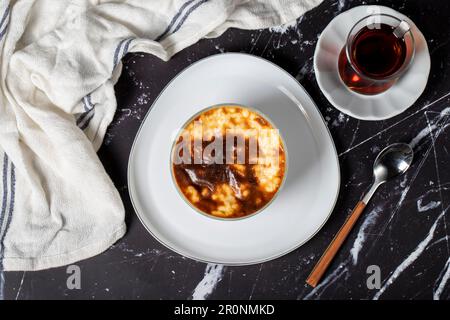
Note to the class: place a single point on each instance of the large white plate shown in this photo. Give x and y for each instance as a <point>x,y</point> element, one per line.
<point>302,206</point>
<point>368,107</point>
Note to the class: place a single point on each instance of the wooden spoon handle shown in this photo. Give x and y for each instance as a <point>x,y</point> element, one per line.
<point>334,246</point>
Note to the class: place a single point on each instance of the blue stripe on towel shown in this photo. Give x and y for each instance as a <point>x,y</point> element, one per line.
<point>86,103</point>
<point>5,191</point>
<point>174,19</point>
<point>88,107</point>
<point>5,15</point>
<point>88,120</point>
<point>10,212</point>
<point>83,116</point>
<point>89,101</point>
<point>127,47</point>
<point>86,117</point>
<point>3,32</point>
<point>188,13</point>
<point>12,202</point>
<point>117,51</point>
<point>117,55</point>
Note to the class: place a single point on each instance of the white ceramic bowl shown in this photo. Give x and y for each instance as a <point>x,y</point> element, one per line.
<point>285,168</point>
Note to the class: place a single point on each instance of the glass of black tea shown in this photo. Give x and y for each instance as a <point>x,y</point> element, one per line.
<point>378,51</point>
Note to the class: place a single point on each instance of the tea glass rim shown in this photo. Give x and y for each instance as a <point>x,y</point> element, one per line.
<point>396,74</point>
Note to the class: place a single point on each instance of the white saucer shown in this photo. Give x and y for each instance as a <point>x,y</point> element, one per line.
<point>377,107</point>
<point>302,206</point>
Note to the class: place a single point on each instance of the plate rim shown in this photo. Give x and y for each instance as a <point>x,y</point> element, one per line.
<point>233,263</point>
<point>349,112</point>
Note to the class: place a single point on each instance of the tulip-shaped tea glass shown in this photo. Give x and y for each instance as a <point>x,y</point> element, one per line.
<point>378,50</point>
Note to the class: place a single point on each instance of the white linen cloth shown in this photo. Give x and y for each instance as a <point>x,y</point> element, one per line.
<point>59,61</point>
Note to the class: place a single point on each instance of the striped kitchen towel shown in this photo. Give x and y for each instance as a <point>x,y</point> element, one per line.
<point>59,61</point>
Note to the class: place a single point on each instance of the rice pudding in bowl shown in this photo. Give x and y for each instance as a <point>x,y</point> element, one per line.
<point>229,162</point>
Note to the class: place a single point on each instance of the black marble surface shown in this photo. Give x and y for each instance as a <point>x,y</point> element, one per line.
<point>404,230</point>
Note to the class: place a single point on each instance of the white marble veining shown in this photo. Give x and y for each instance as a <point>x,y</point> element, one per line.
<point>395,124</point>
<point>213,275</point>
<point>428,206</point>
<point>413,256</point>
<point>363,232</point>
<point>444,277</point>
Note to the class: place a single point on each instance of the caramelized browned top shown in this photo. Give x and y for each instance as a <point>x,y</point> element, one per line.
<point>225,188</point>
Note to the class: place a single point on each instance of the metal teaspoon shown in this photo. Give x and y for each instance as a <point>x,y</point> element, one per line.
<point>391,162</point>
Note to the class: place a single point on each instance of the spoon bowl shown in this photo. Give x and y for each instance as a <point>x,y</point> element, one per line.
<point>392,161</point>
